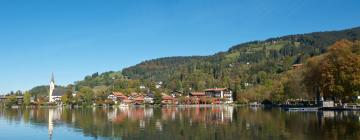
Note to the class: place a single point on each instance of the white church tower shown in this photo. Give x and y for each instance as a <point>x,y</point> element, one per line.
<point>52,88</point>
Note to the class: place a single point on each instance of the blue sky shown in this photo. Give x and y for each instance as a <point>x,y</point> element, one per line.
<point>75,38</point>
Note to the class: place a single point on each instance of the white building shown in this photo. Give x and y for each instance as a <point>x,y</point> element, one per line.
<point>55,93</point>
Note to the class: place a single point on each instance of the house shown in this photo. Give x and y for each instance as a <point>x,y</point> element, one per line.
<point>112,97</point>
<point>2,98</point>
<point>166,99</point>
<point>176,93</point>
<point>297,66</point>
<point>20,99</point>
<point>120,96</point>
<point>117,96</point>
<point>142,87</point>
<point>149,98</point>
<point>220,93</point>
<point>197,94</point>
<point>195,97</point>
<point>139,100</point>
<point>158,84</point>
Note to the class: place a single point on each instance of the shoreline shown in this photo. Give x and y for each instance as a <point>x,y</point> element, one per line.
<point>290,109</point>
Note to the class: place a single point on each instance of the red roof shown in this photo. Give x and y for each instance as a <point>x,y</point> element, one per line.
<point>167,97</point>
<point>141,98</point>
<point>216,89</point>
<point>197,93</point>
<point>118,94</point>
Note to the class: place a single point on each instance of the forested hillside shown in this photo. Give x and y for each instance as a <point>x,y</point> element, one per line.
<point>255,71</point>
<point>253,63</point>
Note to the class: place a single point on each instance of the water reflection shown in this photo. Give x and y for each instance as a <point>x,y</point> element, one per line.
<point>207,122</point>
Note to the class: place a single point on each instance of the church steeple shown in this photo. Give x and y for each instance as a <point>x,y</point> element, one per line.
<point>52,78</point>
<point>52,88</point>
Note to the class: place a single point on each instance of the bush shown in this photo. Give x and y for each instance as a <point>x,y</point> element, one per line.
<point>10,101</point>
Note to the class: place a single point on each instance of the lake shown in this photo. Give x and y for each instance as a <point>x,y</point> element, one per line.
<point>177,123</point>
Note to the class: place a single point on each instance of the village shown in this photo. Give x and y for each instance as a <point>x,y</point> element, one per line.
<point>209,96</point>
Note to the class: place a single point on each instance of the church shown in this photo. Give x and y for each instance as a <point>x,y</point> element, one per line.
<point>54,92</point>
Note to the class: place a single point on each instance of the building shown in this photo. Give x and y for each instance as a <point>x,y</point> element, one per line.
<point>54,92</point>
<point>142,87</point>
<point>139,100</point>
<point>20,99</point>
<point>197,94</point>
<point>2,98</point>
<point>167,99</point>
<point>149,98</point>
<point>176,93</point>
<point>158,84</point>
<point>221,93</point>
<point>297,66</point>
<point>117,96</point>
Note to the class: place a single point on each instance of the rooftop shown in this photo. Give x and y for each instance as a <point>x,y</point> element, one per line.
<point>216,89</point>
<point>197,93</point>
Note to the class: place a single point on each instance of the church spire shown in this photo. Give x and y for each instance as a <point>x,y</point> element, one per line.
<point>52,88</point>
<point>52,78</point>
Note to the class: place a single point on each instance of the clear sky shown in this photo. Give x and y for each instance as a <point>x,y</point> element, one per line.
<point>75,38</point>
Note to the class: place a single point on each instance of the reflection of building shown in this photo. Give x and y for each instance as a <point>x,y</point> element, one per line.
<point>50,123</point>
<point>54,115</point>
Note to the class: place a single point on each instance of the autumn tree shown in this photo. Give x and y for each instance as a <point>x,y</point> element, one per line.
<point>335,74</point>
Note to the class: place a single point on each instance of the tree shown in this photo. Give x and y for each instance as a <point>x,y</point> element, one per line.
<point>294,87</point>
<point>11,100</point>
<point>101,92</point>
<point>27,98</point>
<point>158,98</point>
<point>335,74</point>
<point>87,94</point>
<point>65,99</point>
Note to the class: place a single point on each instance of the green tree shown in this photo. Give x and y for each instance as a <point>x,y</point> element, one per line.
<point>101,92</point>
<point>65,99</point>
<point>11,100</point>
<point>158,98</point>
<point>87,95</point>
<point>27,98</point>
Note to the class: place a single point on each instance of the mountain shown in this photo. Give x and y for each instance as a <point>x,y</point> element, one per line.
<point>252,62</point>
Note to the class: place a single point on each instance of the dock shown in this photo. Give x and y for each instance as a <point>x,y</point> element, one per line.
<point>301,109</point>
